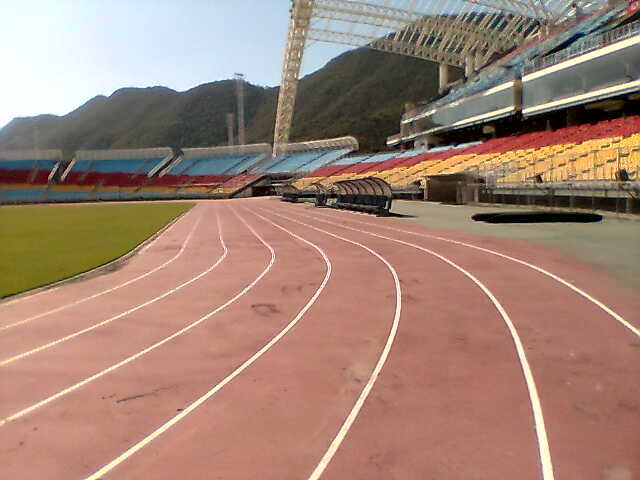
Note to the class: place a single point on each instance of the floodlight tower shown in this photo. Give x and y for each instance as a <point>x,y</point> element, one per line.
<point>231,117</point>
<point>240,98</point>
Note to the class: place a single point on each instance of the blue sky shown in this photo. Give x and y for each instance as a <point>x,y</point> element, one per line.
<point>57,54</point>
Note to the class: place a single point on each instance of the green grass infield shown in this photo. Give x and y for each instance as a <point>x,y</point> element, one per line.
<point>43,244</point>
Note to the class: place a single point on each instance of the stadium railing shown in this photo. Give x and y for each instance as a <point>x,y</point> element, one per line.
<point>592,42</point>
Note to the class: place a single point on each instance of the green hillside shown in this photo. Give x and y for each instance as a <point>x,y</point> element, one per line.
<point>359,93</point>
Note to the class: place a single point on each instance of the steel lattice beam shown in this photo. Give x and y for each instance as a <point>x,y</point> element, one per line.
<point>453,32</point>
<point>297,37</point>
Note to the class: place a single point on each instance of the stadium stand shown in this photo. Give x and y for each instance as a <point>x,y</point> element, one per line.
<point>586,152</point>
<point>343,169</point>
<point>25,174</point>
<point>560,109</point>
<point>109,174</point>
<point>306,156</point>
<point>28,167</point>
<point>545,74</point>
<point>302,161</point>
<point>239,183</point>
<point>199,172</point>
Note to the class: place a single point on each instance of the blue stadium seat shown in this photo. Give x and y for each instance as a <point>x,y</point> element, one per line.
<point>22,195</point>
<point>131,166</point>
<point>295,161</point>
<point>244,164</point>
<point>325,159</point>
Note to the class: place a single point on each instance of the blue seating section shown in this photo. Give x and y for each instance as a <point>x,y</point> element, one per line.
<point>381,157</point>
<point>410,153</point>
<point>108,195</point>
<point>183,166</point>
<point>142,165</point>
<point>22,195</point>
<point>130,166</point>
<point>265,166</point>
<point>29,195</point>
<point>67,196</point>
<point>17,164</point>
<point>352,160</point>
<point>120,174</point>
<point>245,164</point>
<point>292,163</point>
<point>326,159</point>
<point>300,161</point>
<point>206,165</point>
<point>19,171</point>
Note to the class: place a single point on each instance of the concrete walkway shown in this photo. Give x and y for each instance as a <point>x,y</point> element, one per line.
<point>612,245</point>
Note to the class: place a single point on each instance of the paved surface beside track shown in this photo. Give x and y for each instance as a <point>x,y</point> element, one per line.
<point>612,245</point>
<point>256,339</point>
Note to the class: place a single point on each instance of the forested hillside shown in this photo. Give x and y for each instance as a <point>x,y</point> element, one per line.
<point>359,93</point>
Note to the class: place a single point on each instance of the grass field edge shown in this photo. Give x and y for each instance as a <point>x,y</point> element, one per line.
<point>97,270</point>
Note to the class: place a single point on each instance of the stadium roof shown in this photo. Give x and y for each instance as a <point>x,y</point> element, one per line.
<point>453,32</point>
<point>440,30</point>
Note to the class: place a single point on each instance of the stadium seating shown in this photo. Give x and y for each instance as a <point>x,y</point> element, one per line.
<point>238,182</point>
<point>567,38</point>
<point>197,173</point>
<point>203,170</point>
<point>327,158</point>
<point>585,152</point>
<point>343,169</point>
<point>28,167</point>
<point>24,175</point>
<point>110,169</point>
<point>21,195</point>
<point>287,163</point>
<point>300,161</point>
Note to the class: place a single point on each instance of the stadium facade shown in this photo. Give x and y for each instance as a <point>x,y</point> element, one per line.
<point>548,108</point>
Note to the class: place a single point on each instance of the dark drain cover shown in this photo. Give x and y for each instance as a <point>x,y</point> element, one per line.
<point>536,217</point>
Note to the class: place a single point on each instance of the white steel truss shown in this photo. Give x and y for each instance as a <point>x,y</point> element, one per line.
<point>452,32</point>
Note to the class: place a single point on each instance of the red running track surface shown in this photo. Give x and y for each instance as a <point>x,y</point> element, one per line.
<point>246,341</point>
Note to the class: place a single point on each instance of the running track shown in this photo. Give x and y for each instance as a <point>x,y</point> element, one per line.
<point>255,339</point>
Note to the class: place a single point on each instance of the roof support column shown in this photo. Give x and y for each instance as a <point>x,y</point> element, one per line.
<point>469,65</point>
<point>443,76</point>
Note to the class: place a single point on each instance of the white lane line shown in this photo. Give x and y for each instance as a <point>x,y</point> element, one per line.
<point>595,301</point>
<point>536,407</point>
<point>171,291</point>
<point>158,238</point>
<point>166,426</point>
<point>109,290</point>
<point>135,356</point>
<point>353,414</point>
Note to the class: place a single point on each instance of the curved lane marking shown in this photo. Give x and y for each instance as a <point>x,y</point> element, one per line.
<point>353,414</point>
<point>109,290</point>
<point>135,356</point>
<point>166,426</point>
<point>619,318</point>
<point>536,407</point>
<point>171,291</point>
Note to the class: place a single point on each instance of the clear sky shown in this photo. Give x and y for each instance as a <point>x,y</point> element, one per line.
<point>57,54</point>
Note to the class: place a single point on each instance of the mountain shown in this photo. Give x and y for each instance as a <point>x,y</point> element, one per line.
<point>359,93</point>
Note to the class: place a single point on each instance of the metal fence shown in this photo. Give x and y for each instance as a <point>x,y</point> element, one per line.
<point>586,45</point>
